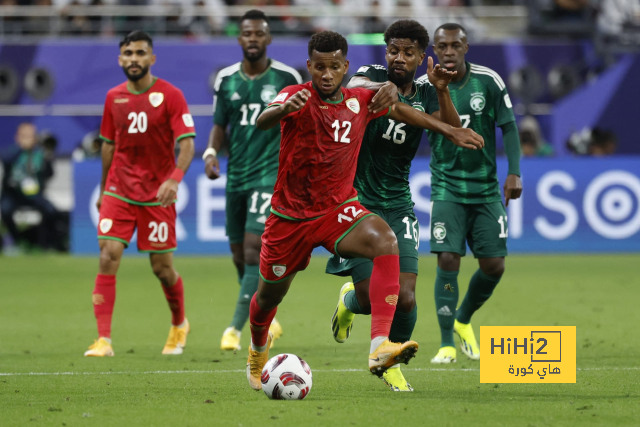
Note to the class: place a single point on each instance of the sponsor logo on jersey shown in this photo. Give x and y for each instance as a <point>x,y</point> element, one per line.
<point>418,106</point>
<point>235,96</point>
<point>323,107</point>
<point>105,225</point>
<point>156,98</point>
<point>188,120</point>
<point>280,97</point>
<point>477,102</point>
<point>439,231</point>
<point>268,93</point>
<point>120,100</point>
<point>279,269</point>
<point>353,105</point>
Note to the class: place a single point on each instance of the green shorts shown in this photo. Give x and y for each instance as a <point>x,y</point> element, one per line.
<point>246,212</point>
<point>404,223</point>
<point>483,226</point>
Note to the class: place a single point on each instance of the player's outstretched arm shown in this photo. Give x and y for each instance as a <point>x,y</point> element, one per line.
<point>169,189</point>
<point>108,149</point>
<point>440,78</point>
<point>216,141</point>
<point>272,115</point>
<point>461,137</point>
<point>387,92</point>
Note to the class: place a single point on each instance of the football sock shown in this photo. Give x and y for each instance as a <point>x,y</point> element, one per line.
<point>383,292</point>
<point>375,343</point>
<point>352,304</point>
<point>446,296</point>
<point>403,324</point>
<point>175,298</point>
<point>480,289</point>
<point>259,321</point>
<point>104,297</point>
<point>248,287</point>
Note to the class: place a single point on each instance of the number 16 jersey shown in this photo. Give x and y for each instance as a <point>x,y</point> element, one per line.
<point>144,126</point>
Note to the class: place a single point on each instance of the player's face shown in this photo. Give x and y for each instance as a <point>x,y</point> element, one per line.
<point>450,46</point>
<point>254,38</point>
<point>135,59</point>
<point>327,71</point>
<point>26,136</point>
<point>403,58</point>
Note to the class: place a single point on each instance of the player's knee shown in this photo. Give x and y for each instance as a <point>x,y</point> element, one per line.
<point>108,257</point>
<point>387,244</point>
<point>495,267</point>
<point>449,261</point>
<point>164,272</point>
<point>252,255</point>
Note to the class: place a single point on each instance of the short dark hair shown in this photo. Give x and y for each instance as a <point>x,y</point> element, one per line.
<point>408,29</point>
<point>328,41</point>
<point>136,36</point>
<point>254,14</point>
<point>451,26</point>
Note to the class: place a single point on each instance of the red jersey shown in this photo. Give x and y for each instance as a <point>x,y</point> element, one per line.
<point>319,152</point>
<point>144,127</point>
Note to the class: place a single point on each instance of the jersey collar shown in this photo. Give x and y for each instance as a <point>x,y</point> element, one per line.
<point>462,83</point>
<point>155,79</point>
<point>258,77</point>
<point>328,101</point>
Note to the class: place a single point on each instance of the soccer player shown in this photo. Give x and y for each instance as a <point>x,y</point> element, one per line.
<point>465,192</point>
<point>314,202</point>
<point>382,179</point>
<point>242,92</point>
<point>143,119</point>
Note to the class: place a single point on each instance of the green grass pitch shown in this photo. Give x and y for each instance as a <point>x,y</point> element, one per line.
<point>46,323</point>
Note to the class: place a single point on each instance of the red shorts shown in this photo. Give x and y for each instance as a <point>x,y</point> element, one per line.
<point>287,244</point>
<point>156,225</point>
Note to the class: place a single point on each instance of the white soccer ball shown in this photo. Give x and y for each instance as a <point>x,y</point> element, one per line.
<point>286,377</point>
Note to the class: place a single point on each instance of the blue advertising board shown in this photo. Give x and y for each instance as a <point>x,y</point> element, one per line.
<point>568,205</point>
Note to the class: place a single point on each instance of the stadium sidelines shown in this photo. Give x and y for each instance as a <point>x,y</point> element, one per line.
<point>235,371</point>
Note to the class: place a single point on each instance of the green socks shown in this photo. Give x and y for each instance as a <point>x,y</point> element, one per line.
<point>480,289</point>
<point>403,324</point>
<point>248,287</point>
<point>351,301</point>
<point>446,296</point>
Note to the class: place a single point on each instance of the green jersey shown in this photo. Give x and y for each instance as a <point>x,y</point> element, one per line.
<point>388,147</point>
<point>238,100</point>
<point>470,176</point>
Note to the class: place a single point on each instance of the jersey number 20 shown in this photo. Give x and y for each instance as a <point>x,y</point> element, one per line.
<point>138,122</point>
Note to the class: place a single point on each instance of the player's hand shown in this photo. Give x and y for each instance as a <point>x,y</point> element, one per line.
<point>99,202</point>
<point>212,167</point>
<point>466,138</point>
<point>512,188</point>
<point>438,76</point>
<point>167,192</point>
<point>387,95</point>
<point>296,101</point>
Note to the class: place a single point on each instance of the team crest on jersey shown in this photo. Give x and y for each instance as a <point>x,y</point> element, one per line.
<point>418,106</point>
<point>439,231</point>
<point>156,98</point>
<point>477,102</point>
<point>268,93</point>
<point>105,225</point>
<point>279,269</point>
<point>353,105</point>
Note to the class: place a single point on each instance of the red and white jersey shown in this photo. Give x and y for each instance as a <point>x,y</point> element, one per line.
<point>319,151</point>
<point>144,127</point>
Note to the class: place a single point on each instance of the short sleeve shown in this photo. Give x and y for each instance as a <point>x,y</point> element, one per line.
<point>182,125</point>
<point>503,107</point>
<point>107,127</point>
<point>220,111</point>
<point>375,73</point>
<point>284,94</point>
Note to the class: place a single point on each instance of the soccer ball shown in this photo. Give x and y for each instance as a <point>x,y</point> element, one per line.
<point>286,377</point>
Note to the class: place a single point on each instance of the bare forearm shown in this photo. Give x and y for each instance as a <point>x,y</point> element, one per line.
<point>217,138</point>
<point>186,154</point>
<point>270,117</point>
<point>108,151</point>
<point>404,113</point>
<point>364,83</point>
<point>448,113</point>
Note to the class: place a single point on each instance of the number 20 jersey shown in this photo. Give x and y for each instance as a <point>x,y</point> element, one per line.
<point>319,151</point>
<point>144,127</point>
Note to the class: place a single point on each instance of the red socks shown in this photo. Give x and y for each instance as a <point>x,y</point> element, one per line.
<point>260,320</point>
<point>104,297</point>
<point>383,293</point>
<point>175,298</point>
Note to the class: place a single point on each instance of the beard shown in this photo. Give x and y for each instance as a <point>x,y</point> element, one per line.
<point>324,97</point>
<point>253,57</point>
<point>399,80</point>
<point>135,77</point>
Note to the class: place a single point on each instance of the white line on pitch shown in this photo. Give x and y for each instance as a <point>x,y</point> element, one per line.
<point>235,371</point>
